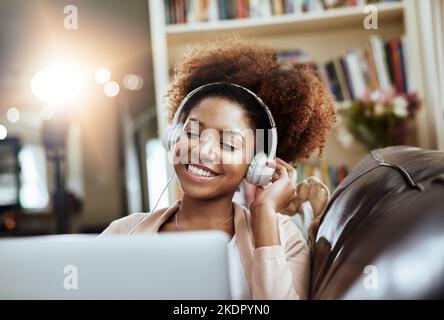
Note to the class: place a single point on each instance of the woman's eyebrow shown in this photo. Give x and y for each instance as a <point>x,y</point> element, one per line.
<point>223,131</point>
<point>194,120</point>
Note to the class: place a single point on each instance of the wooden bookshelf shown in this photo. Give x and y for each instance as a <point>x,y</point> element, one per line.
<point>324,35</point>
<point>290,23</point>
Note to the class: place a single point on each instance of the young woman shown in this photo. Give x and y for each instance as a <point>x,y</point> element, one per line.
<point>269,256</point>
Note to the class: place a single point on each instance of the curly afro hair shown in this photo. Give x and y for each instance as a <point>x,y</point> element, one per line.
<point>303,109</point>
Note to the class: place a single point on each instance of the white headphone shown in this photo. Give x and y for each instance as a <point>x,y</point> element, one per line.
<point>258,172</point>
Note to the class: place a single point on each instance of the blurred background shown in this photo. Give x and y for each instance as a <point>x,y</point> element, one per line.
<point>77,109</point>
<point>83,83</point>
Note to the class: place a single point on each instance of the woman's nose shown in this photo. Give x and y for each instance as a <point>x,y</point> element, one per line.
<point>207,150</point>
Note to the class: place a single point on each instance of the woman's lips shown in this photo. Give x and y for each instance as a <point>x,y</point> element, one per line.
<point>203,167</point>
<point>198,174</point>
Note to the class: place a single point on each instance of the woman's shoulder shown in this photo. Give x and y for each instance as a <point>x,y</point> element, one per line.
<point>123,226</point>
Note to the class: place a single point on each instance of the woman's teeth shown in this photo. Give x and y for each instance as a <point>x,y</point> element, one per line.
<point>200,172</point>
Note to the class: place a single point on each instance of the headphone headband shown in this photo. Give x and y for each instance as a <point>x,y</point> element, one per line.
<point>272,154</point>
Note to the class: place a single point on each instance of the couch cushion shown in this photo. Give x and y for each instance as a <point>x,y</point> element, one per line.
<point>392,196</point>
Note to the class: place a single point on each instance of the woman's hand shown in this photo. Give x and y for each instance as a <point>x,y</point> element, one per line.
<point>270,200</point>
<point>282,191</point>
<point>313,190</point>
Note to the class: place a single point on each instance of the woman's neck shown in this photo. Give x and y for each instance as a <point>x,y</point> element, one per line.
<point>205,214</point>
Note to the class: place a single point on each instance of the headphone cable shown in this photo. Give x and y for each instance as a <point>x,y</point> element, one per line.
<point>155,206</point>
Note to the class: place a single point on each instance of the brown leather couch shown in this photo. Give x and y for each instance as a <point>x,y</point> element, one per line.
<point>382,235</point>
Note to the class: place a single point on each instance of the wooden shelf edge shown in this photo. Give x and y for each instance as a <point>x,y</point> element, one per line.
<point>317,20</point>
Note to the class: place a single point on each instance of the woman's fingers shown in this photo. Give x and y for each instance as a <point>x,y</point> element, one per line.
<point>292,173</point>
<point>285,164</point>
<point>281,171</point>
<point>285,173</point>
<point>272,164</point>
<point>282,192</point>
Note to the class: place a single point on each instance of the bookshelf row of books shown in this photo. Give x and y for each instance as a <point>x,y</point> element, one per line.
<point>381,65</point>
<point>330,175</point>
<point>191,11</point>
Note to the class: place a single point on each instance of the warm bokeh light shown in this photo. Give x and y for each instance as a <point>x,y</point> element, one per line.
<point>102,76</point>
<point>58,84</point>
<point>133,82</point>
<point>10,223</point>
<point>3,132</point>
<point>111,89</point>
<point>13,115</point>
<point>47,112</point>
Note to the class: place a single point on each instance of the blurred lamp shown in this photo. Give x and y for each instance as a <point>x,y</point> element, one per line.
<point>133,82</point>
<point>111,89</point>
<point>57,84</point>
<point>103,75</point>
<point>13,115</point>
<point>3,132</point>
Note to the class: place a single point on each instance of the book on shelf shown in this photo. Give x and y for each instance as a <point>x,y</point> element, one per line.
<point>381,65</point>
<point>192,11</point>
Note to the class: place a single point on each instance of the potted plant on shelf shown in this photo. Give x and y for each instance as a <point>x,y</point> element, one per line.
<point>382,118</point>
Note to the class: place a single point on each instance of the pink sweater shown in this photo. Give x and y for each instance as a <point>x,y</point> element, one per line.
<point>273,272</point>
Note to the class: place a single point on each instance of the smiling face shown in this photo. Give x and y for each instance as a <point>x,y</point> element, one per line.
<point>216,148</point>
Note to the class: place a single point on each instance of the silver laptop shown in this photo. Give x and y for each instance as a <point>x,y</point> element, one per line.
<point>190,265</point>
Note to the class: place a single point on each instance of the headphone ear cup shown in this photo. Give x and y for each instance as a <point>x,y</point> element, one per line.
<point>166,137</point>
<point>259,173</point>
<point>171,136</point>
